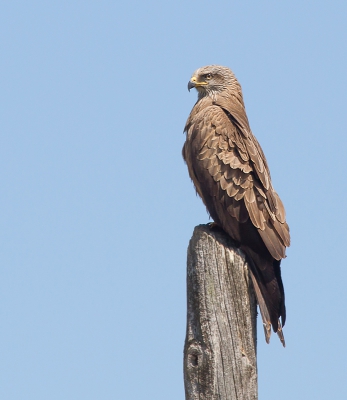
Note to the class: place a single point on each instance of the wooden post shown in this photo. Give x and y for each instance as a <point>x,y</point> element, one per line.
<point>220,347</point>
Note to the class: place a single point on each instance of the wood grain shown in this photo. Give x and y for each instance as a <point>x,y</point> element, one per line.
<point>220,346</point>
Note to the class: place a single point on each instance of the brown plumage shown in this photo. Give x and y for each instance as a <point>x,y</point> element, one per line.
<point>231,175</point>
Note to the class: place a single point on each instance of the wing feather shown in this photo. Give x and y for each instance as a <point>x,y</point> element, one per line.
<point>232,158</point>
<point>232,189</point>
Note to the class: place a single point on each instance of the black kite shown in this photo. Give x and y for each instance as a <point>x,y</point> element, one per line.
<point>231,175</point>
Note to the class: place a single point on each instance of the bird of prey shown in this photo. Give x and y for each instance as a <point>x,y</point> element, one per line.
<point>232,177</point>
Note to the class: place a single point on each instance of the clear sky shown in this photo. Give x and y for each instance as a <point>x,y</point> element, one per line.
<point>97,208</point>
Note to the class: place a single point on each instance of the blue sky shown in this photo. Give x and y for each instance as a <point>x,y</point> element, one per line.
<point>97,208</point>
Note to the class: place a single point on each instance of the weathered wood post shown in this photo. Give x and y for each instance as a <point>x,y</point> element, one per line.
<point>220,346</point>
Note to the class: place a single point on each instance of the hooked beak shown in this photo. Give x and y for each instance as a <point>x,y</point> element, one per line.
<point>194,83</point>
<point>191,85</point>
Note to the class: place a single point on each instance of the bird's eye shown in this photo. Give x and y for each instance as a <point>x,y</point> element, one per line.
<point>208,76</point>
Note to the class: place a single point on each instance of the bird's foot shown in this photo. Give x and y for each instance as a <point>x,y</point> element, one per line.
<point>213,225</point>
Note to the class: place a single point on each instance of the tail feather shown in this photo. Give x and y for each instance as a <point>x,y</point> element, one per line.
<point>269,309</point>
<point>280,334</point>
<point>265,316</point>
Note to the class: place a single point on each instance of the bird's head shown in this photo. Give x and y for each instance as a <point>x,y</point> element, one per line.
<point>213,80</point>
